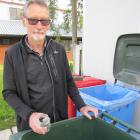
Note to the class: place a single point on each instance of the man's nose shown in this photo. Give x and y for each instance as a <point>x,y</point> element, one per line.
<point>39,25</point>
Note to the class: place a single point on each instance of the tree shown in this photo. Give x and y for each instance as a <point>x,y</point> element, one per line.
<point>76,18</point>
<point>80,13</point>
<point>73,20</point>
<point>52,4</point>
<point>67,25</point>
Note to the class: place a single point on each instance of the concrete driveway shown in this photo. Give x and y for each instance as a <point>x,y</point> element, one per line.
<point>4,134</point>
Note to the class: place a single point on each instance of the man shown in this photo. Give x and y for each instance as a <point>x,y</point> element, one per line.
<point>37,79</point>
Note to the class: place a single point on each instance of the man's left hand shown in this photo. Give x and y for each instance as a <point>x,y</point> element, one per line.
<point>85,109</point>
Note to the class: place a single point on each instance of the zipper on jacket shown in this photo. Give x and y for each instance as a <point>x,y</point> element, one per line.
<point>52,85</point>
<point>54,67</point>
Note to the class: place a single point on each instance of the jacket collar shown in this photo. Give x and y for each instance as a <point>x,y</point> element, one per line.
<point>26,45</point>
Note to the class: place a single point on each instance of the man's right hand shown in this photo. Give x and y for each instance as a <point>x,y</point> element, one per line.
<point>34,123</point>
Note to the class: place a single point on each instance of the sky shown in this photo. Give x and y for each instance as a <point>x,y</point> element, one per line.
<point>63,5</point>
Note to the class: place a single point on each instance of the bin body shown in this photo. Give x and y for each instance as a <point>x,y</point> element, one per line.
<point>85,81</point>
<point>71,108</point>
<point>77,129</point>
<point>114,99</point>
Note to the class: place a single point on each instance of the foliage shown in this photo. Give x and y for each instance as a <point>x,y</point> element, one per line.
<point>80,14</point>
<point>67,21</point>
<point>71,65</point>
<point>67,15</point>
<point>52,4</point>
<point>7,115</point>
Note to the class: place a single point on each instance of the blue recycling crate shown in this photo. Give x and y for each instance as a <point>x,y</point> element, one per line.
<point>117,100</point>
<point>114,99</point>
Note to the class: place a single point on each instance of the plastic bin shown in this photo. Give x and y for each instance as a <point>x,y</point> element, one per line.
<point>114,99</point>
<point>89,81</point>
<point>120,101</point>
<point>82,81</point>
<point>78,129</point>
<point>71,108</point>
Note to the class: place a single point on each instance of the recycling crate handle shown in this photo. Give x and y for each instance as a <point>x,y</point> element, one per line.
<point>115,121</point>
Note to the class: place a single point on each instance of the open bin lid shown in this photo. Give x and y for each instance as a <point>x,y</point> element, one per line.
<point>127,59</point>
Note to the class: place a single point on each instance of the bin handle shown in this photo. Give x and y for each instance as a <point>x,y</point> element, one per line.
<point>115,121</point>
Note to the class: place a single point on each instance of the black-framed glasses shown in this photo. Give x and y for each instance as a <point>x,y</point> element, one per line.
<point>33,21</point>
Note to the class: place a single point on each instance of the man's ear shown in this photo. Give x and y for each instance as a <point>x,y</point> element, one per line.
<point>23,21</point>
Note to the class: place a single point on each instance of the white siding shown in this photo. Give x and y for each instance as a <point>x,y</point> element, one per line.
<point>4,9</point>
<point>104,21</point>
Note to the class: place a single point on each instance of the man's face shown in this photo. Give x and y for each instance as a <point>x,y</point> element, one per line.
<point>36,30</point>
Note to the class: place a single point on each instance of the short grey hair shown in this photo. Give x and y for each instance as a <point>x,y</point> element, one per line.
<point>38,2</point>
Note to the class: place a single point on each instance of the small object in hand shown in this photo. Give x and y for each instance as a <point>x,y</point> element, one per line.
<point>45,122</point>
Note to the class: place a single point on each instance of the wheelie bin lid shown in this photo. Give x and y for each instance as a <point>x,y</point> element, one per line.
<point>127,59</point>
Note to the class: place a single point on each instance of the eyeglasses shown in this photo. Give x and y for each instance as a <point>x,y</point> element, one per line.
<point>44,22</point>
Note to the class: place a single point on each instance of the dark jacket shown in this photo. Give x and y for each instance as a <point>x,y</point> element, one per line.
<point>15,90</point>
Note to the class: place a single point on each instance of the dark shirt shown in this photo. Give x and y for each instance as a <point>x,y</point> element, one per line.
<point>39,82</point>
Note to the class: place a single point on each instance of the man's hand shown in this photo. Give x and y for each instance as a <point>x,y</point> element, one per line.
<point>84,110</point>
<point>34,123</point>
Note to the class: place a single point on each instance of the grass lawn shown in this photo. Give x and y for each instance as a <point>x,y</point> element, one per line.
<point>7,116</point>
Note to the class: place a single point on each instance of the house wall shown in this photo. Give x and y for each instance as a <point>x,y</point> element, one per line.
<point>3,48</point>
<point>104,21</point>
<point>4,9</point>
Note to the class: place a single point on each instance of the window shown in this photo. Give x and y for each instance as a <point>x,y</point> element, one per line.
<point>15,13</point>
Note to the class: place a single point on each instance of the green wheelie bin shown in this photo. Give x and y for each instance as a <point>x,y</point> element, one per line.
<point>80,129</point>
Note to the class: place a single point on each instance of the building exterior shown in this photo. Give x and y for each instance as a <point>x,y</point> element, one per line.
<point>11,9</point>
<point>11,12</point>
<point>11,29</point>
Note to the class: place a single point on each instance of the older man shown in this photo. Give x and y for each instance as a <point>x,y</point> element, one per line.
<point>37,78</point>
